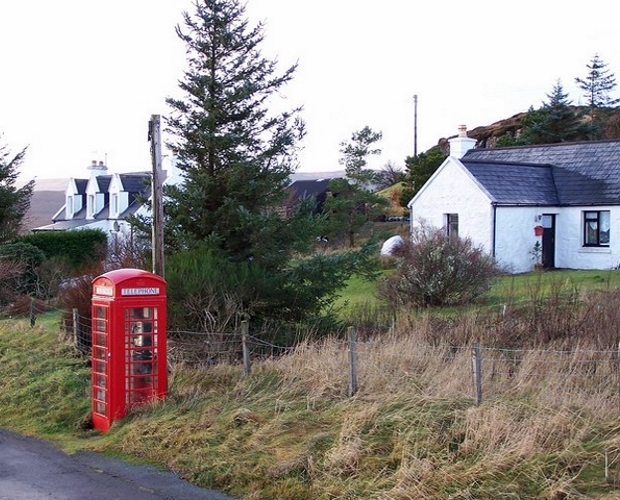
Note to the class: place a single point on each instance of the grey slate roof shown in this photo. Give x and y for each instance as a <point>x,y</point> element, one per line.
<point>583,173</point>
<point>313,187</point>
<point>103,181</point>
<point>81,184</point>
<point>515,183</point>
<point>136,182</point>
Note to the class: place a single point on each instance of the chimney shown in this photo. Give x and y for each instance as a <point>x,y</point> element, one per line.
<point>97,168</point>
<point>460,144</point>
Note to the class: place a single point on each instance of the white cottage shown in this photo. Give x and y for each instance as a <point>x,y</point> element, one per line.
<point>564,196</point>
<point>101,201</point>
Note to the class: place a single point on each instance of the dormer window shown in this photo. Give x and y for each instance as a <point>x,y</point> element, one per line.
<point>115,205</point>
<point>91,205</point>
<point>69,208</point>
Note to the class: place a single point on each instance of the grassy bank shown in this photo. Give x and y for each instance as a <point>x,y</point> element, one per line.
<point>546,424</point>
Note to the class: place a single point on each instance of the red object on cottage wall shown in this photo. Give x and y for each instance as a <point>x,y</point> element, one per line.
<point>538,231</point>
<point>128,343</point>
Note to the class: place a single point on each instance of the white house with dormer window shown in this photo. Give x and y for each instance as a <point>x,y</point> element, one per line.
<point>101,201</point>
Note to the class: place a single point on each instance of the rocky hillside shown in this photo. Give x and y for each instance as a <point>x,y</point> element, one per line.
<point>487,135</point>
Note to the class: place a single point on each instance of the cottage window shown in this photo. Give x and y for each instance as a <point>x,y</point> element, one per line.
<point>91,206</point>
<point>452,226</point>
<point>596,225</point>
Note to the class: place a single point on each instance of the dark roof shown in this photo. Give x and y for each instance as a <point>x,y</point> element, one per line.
<point>305,188</point>
<point>583,173</point>
<point>63,225</point>
<point>80,184</point>
<point>136,182</point>
<point>104,182</point>
<point>515,183</point>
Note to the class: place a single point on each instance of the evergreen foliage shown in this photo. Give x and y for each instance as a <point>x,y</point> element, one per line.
<point>236,156</point>
<point>419,169</point>
<point>14,202</point>
<point>355,153</point>
<point>352,203</point>
<point>556,121</point>
<point>77,248</point>
<point>209,291</point>
<point>224,224</point>
<point>598,84</point>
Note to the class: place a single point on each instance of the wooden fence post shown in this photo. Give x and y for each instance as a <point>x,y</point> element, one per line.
<point>618,364</point>
<point>247,367</point>
<point>353,360</point>
<point>33,317</point>
<point>76,328</point>
<point>476,359</point>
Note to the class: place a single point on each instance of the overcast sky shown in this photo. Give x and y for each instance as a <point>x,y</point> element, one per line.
<point>81,78</point>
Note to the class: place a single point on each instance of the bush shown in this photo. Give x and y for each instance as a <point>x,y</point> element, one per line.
<point>435,270</point>
<point>79,248</point>
<point>208,291</point>
<point>76,293</point>
<point>27,258</point>
<point>10,273</point>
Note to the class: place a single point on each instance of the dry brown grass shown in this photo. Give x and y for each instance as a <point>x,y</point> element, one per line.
<point>290,430</point>
<point>412,430</point>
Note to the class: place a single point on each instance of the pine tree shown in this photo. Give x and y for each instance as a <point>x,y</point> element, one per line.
<point>556,121</point>
<point>236,155</point>
<point>233,249</point>
<point>419,170</point>
<point>353,203</point>
<point>597,86</point>
<point>14,202</point>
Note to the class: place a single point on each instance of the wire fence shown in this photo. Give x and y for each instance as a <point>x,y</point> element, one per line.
<point>489,369</point>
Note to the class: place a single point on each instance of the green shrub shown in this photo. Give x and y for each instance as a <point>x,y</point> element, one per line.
<point>27,258</point>
<point>208,291</point>
<point>434,270</point>
<point>78,248</point>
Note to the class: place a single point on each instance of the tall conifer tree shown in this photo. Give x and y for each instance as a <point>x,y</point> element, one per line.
<point>598,84</point>
<point>232,243</point>
<point>14,201</point>
<point>236,155</point>
<point>556,121</point>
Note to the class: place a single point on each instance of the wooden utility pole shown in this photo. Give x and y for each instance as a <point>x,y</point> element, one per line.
<point>415,126</point>
<point>157,206</point>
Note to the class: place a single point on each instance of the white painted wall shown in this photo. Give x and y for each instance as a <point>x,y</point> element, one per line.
<point>452,190</point>
<point>515,237</point>
<point>570,252</point>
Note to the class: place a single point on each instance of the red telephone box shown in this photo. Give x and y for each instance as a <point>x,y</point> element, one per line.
<point>128,343</point>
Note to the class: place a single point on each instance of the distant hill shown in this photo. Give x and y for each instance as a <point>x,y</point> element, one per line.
<point>47,198</point>
<point>306,176</point>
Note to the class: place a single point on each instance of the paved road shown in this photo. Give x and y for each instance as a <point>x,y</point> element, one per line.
<point>35,470</point>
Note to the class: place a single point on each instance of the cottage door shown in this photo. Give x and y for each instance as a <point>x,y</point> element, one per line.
<point>548,241</point>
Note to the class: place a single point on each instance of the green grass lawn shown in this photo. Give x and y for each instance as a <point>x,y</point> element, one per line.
<point>515,287</point>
